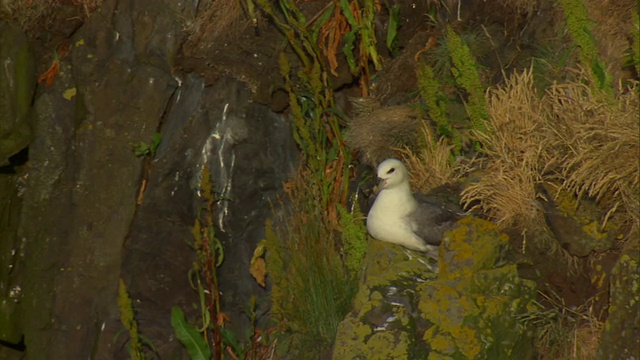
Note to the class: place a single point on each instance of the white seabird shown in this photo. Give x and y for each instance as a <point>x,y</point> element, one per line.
<point>400,218</point>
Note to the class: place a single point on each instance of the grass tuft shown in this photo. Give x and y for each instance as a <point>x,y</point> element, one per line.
<point>516,158</point>
<point>311,288</point>
<point>597,146</point>
<point>433,165</point>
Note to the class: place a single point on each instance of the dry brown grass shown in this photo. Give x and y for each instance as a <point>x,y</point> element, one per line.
<point>516,157</point>
<point>613,29</point>
<point>596,143</point>
<point>565,333</point>
<point>432,164</point>
<point>585,139</point>
<point>376,133</point>
<point>34,14</point>
<point>214,19</point>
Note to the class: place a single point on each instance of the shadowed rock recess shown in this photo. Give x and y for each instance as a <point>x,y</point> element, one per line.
<point>84,211</point>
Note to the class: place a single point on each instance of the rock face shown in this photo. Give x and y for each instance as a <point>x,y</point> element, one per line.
<point>93,212</point>
<point>17,86</point>
<point>467,311</point>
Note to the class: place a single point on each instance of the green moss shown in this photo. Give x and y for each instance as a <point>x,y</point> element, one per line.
<point>384,308</point>
<point>354,238</point>
<point>587,234</point>
<point>351,331</point>
<point>386,345</point>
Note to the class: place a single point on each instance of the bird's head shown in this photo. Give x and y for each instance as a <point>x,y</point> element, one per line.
<point>392,173</point>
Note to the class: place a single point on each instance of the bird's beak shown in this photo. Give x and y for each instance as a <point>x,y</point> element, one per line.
<point>382,183</point>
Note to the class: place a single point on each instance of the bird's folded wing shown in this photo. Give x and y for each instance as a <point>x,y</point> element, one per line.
<point>432,218</point>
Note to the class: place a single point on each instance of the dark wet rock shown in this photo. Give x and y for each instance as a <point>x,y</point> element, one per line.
<point>80,198</point>
<point>468,311</point>
<point>17,85</point>
<point>248,151</point>
<point>85,223</point>
<point>620,338</point>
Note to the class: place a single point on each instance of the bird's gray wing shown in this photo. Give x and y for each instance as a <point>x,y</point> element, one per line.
<point>433,217</point>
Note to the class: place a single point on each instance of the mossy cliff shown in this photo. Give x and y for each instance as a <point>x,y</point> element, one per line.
<point>469,310</point>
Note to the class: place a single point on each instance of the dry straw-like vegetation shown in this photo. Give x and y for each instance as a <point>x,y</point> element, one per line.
<point>613,27</point>
<point>563,332</point>
<point>585,139</point>
<point>516,156</point>
<point>432,165</point>
<point>213,20</point>
<point>376,132</point>
<point>596,144</point>
<point>32,14</point>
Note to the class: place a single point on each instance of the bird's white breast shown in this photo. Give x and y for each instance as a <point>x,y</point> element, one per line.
<point>387,220</point>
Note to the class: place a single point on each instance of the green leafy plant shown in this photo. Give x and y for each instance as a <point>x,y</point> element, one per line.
<point>392,32</point>
<point>142,149</point>
<point>189,336</point>
<point>203,277</point>
<point>312,288</point>
<point>212,339</point>
<point>451,67</point>
<point>435,99</point>
<point>360,17</point>
<point>316,120</point>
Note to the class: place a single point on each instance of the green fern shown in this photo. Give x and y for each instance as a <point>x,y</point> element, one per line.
<point>579,26</point>
<point>465,73</point>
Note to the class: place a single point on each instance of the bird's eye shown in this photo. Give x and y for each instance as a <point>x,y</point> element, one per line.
<point>391,171</point>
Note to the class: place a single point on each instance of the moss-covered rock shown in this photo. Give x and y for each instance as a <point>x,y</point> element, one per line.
<point>473,305</point>
<point>468,311</point>
<point>621,336</point>
<point>577,225</point>
<point>384,323</point>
